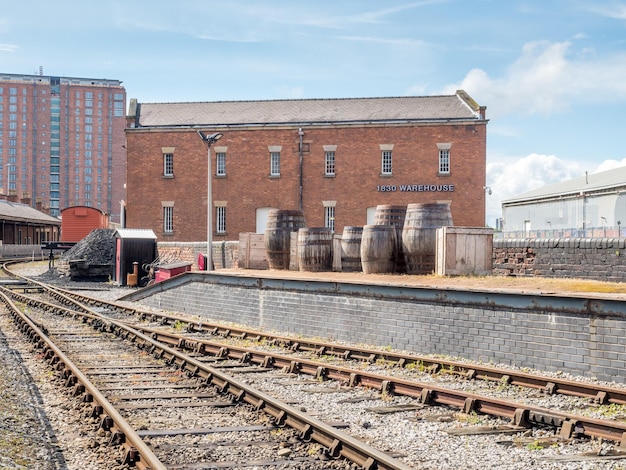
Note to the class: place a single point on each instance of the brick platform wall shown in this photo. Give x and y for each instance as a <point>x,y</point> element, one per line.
<point>477,326</point>
<point>586,258</point>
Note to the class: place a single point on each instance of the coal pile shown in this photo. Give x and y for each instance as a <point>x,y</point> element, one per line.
<point>91,259</point>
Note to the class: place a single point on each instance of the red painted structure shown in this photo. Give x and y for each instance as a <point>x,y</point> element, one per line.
<point>167,271</point>
<point>78,221</point>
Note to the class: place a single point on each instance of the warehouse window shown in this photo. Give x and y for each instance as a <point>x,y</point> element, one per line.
<point>386,159</point>
<point>329,214</point>
<point>220,168</point>
<point>275,163</point>
<point>386,162</point>
<point>168,219</point>
<point>330,164</point>
<point>329,218</point>
<point>444,162</point>
<point>168,161</point>
<point>444,158</point>
<point>168,164</point>
<point>220,160</point>
<point>329,160</point>
<point>220,219</point>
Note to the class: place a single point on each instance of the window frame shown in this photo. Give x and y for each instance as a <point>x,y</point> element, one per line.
<point>386,162</point>
<point>274,163</point>
<point>168,219</point>
<point>444,161</point>
<point>329,217</point>
<point>168,165</point>
<point>220,163</point>
<point>220,220</point>
<point>329,163</point>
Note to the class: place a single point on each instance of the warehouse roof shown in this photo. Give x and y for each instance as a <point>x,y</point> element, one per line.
<point>459,106</point>
<point>24,213</point>
<point>598,182</point>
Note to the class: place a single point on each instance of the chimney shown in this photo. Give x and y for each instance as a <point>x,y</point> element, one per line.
<point>26,198</point>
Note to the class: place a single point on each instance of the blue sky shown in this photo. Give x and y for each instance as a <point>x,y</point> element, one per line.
<point>552,73</point>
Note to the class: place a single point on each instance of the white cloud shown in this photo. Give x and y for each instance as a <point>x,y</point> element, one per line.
<point>376,16</point>
<point>616,11</point>
<point>548,78</point>
<point>8,48</point>
<point>609,165</point>
<point>533,171</point>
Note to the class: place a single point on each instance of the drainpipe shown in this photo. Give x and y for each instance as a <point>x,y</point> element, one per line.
<point>300,135</point>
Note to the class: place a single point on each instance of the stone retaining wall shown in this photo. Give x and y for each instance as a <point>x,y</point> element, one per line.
<point>225,254</point>
<point>586,258</point>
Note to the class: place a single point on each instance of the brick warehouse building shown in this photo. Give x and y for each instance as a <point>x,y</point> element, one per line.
<point>61,141</point>
<point>336,159</point>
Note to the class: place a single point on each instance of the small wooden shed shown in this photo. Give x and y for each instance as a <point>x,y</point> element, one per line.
<point>133,245</point>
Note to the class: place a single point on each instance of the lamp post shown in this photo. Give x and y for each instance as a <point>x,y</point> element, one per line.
<point>209,139</point>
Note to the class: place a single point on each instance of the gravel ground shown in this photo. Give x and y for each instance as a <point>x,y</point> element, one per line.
<point>36,433</point>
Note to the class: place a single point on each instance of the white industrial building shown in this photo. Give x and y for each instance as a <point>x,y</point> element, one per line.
<point>593,205</point>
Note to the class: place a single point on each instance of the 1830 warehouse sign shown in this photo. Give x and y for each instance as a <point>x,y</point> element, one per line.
<point>417,188</point>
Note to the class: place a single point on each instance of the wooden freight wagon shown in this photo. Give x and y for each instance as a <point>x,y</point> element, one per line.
<point>78,221</point>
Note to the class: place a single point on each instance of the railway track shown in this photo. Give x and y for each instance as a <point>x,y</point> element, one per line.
<point>118,386</point>
<point>197,339</point>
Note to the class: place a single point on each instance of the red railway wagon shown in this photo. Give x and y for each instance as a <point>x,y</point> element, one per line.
<point>78,221</point>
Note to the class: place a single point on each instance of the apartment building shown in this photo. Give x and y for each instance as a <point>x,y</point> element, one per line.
<point>62,142</point>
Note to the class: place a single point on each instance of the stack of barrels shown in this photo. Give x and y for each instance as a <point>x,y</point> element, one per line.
<point>314,245</point>
<point>401,240</point>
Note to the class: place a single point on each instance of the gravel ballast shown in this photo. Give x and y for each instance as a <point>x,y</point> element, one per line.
<point>40,431</point>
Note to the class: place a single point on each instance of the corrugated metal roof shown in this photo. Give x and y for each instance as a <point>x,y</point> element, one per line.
<point>22,212</point>
<point>134,233</point>
<point>343,110</point>
<point>609,179</point>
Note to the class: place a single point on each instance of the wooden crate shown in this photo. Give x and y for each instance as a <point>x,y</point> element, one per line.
<point>464,251</point>
<point>252,254</point>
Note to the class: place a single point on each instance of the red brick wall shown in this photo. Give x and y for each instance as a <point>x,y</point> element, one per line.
<point>247,185</point>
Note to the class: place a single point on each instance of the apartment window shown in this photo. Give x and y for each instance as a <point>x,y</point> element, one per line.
<point>329,217</point>
<point>220,219</point>
<point>220,168</point>
<point>168,219</point>
<point>386,162</point>
<point>275,163</point>
<point>444,158</point>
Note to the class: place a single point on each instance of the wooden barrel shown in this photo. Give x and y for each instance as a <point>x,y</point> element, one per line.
<point>378,249</point>
<point>315,249</point>
<point>280,224</point>
<point>419,235</point>
<point>390,215</point>
<point>351,249</point>
<point>393,215</point>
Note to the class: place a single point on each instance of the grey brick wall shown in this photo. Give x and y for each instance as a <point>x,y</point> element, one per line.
<point>472,325</point>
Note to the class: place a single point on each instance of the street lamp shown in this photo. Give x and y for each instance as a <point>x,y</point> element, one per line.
<point>209,139</point>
